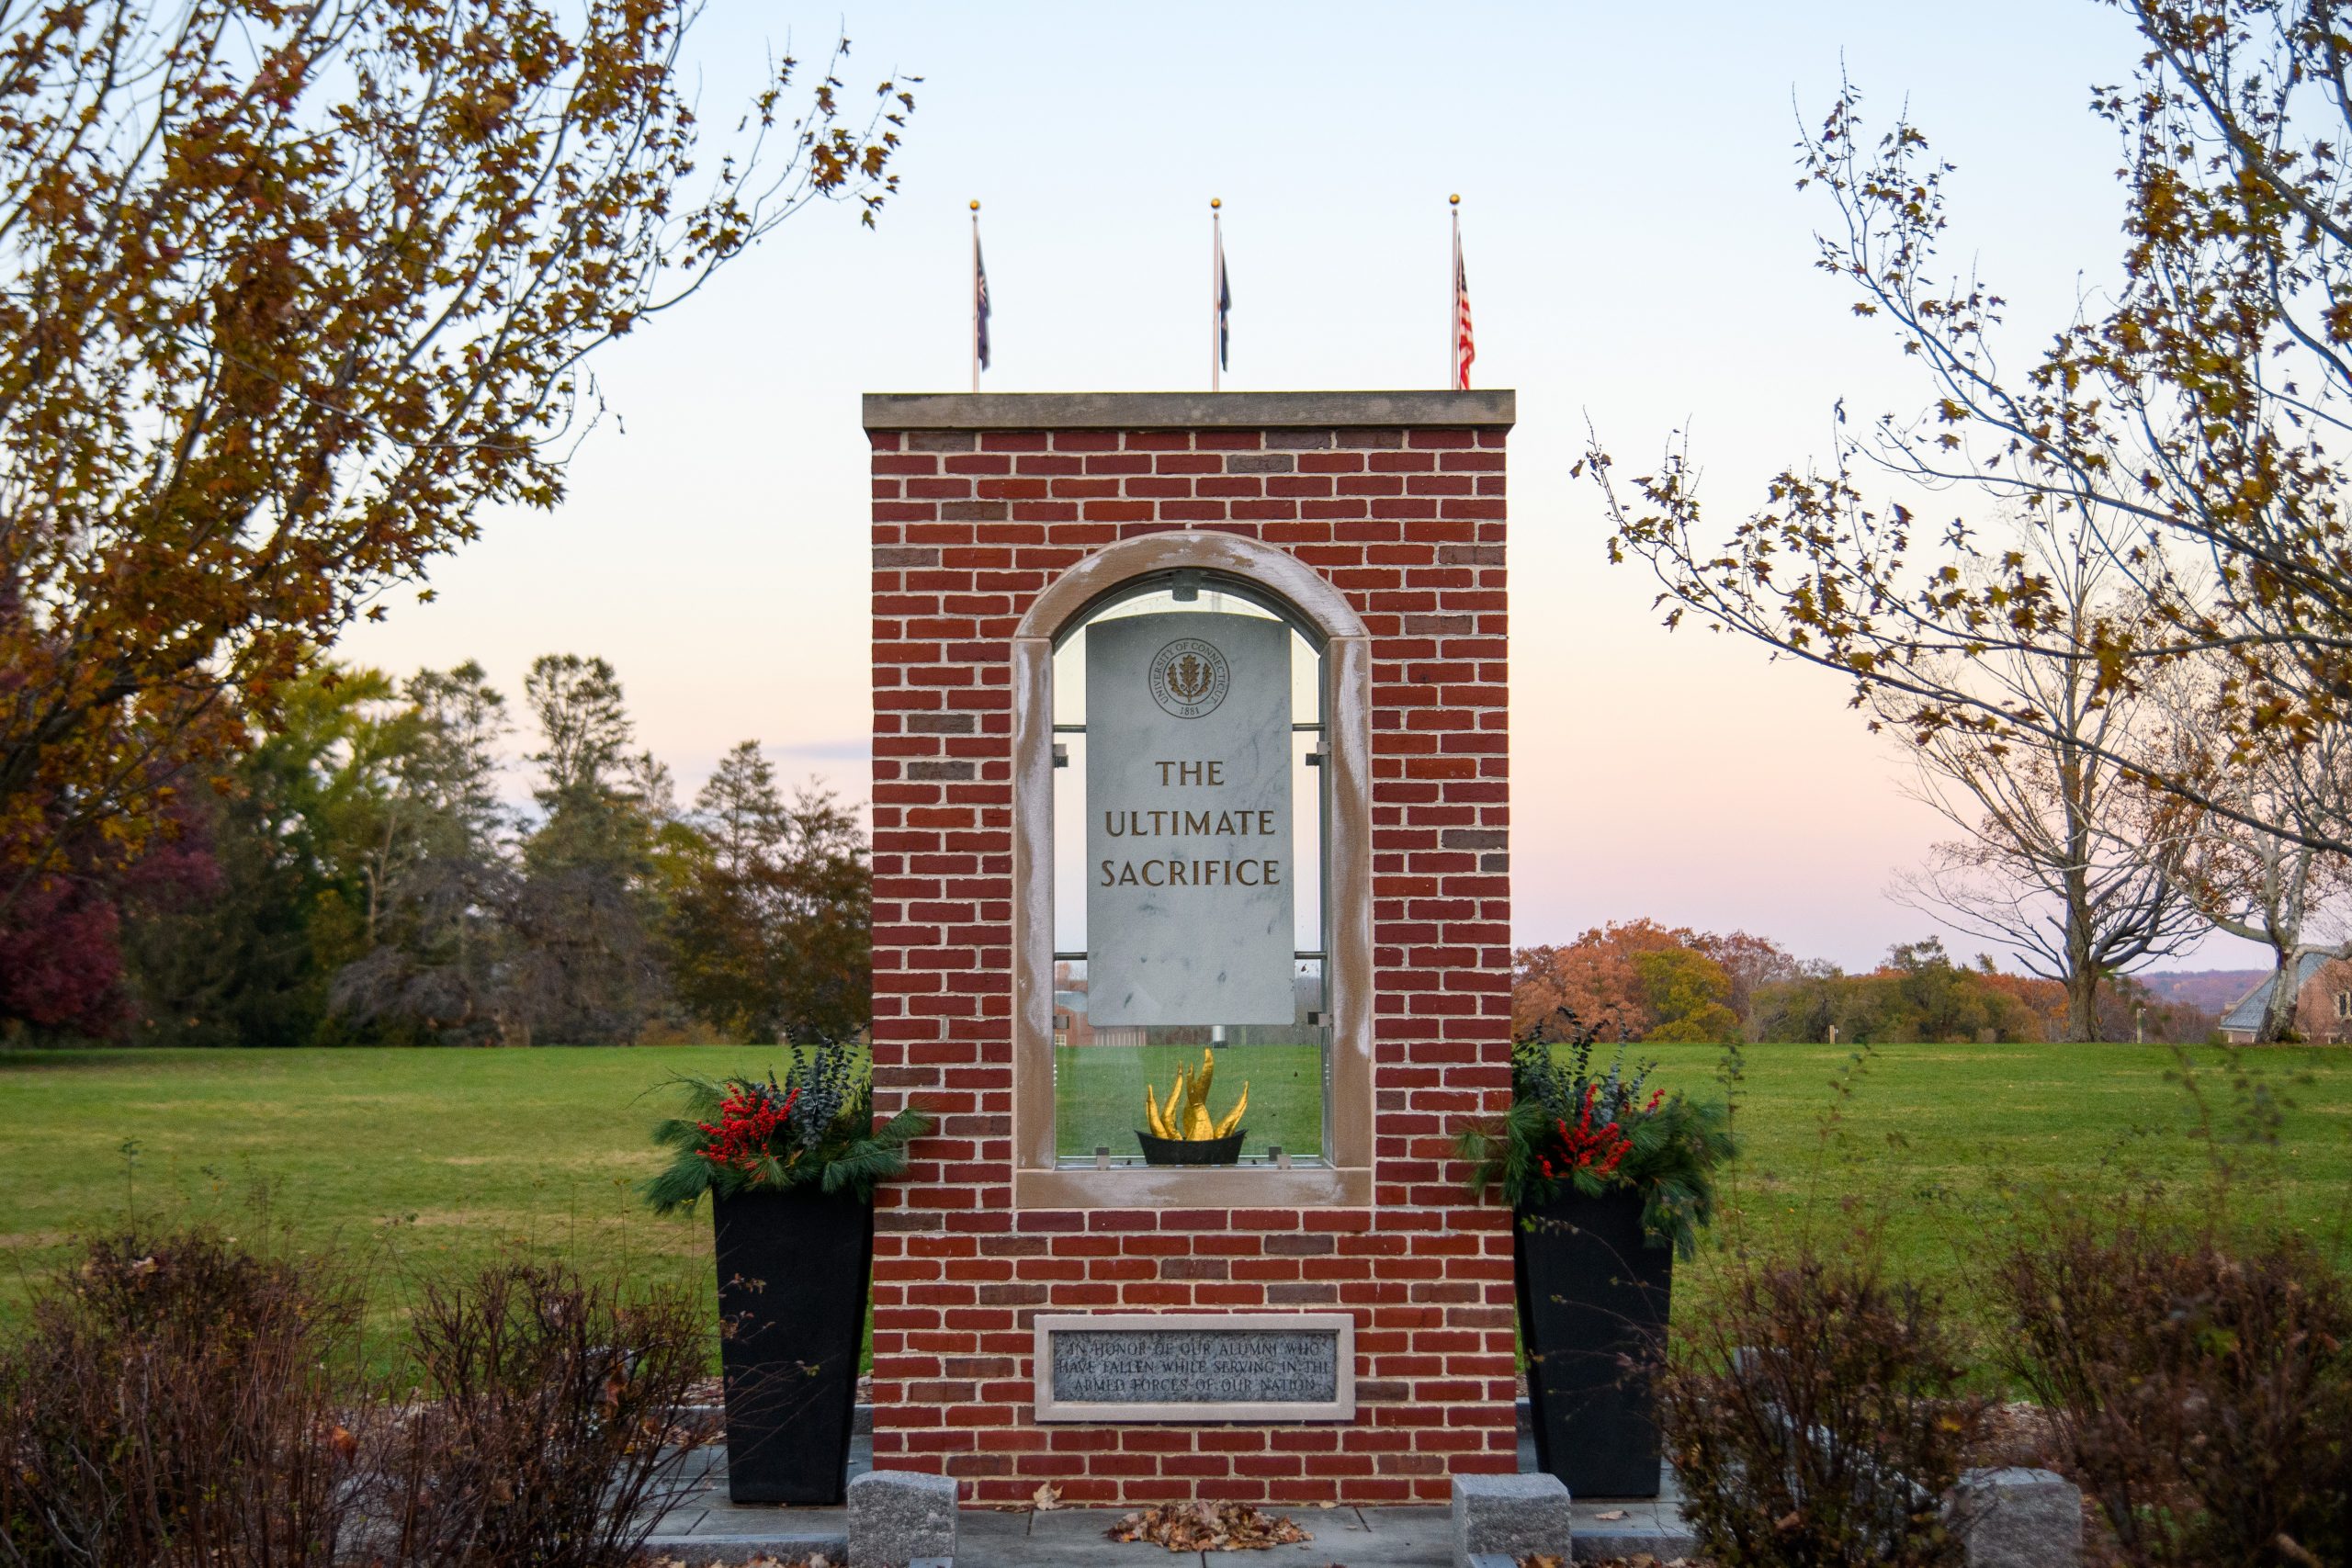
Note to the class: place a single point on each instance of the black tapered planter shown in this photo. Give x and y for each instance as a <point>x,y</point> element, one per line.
<point>792,1280</point>
<point>1592,1294</point>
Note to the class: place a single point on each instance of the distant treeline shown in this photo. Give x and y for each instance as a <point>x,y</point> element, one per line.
<point>355,878</point>
<point>1645,981</point>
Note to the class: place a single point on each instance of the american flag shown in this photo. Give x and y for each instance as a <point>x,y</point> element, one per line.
<point>1466,343</point>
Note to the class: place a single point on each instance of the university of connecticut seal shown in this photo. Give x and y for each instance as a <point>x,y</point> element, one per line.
<point>1189,677</point>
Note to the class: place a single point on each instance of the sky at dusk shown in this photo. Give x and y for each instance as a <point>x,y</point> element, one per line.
<point>1638,258</point>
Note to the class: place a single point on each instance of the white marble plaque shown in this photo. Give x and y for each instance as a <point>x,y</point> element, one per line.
<point>1188,820</point>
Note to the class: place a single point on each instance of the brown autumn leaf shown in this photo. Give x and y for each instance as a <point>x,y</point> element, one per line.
<point>1047,1496</point>
<point>1209,1527</point>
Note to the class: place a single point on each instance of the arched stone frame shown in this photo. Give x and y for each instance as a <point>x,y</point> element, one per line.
<point>1038,1181</point>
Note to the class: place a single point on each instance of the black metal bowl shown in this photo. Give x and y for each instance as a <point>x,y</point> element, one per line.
<point>1192,1150</point>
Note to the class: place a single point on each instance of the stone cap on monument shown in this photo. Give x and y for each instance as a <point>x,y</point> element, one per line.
<point>1187,410</point>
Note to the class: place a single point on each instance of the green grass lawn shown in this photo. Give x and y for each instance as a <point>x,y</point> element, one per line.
<point>417,1158</point>
<point>407,1161</point>
<point>1944,1148</point>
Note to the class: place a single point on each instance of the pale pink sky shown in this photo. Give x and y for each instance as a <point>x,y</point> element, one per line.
<point>1636,255</point>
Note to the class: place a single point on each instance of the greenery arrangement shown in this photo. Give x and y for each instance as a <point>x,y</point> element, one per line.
<point>741,1133</point>
<point>1569,1127</point>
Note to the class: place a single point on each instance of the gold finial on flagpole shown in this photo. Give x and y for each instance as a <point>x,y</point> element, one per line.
<point>976,205</point>
<point>1455,200</point>
<point>1215,203</point>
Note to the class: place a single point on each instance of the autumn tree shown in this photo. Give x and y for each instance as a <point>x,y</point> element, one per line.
<point>2062,857</point>
<point>2189,424</point>
<point>2260,885</point>
<point>1601,976</point>
<point>293,291</point>
<point>1593,976</point>
<point>1749,962</point>
<point>1917,994</point>
<point>1685,993</point>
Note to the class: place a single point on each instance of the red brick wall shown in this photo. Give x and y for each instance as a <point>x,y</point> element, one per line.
<point>967,528</point>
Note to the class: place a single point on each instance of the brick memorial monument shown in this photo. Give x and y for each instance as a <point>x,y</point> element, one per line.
<point>1192,925</point>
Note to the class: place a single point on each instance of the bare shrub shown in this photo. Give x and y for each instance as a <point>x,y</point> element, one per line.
<point>2199,1389</point>
<point>1816,1417</point>
<point>180,1401</point>
<point>549,1434</point>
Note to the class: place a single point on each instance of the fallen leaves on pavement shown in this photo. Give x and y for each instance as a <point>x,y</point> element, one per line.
<point>1209,1526</point>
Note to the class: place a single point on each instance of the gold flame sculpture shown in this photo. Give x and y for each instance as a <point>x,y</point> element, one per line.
<point>1185,1117</point>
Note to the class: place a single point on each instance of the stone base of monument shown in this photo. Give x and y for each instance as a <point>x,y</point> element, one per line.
<point>705,1527</point>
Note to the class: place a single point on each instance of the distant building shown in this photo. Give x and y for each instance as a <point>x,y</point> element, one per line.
<point>2322,1002</point>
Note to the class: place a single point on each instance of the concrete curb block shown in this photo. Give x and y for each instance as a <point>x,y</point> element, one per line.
<point>899,1517</point>
<point>1510,1516</point>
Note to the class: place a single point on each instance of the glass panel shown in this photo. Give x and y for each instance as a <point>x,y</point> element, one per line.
<point>1069,846</point>
<point>1100,1076</point>
<point>1307,836</point>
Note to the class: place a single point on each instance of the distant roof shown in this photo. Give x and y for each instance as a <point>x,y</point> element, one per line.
<point>2247,1013</point>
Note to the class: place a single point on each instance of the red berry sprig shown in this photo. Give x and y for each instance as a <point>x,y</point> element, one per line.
<point>748,1119</point>
<point>1586,1147</point>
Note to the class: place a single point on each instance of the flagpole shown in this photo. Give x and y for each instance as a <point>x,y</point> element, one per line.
<point>1453,302</point>
<point>975,296</point>
<point>1216,246</point>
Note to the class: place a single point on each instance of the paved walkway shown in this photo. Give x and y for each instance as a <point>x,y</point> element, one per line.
<point>706,1528</point>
